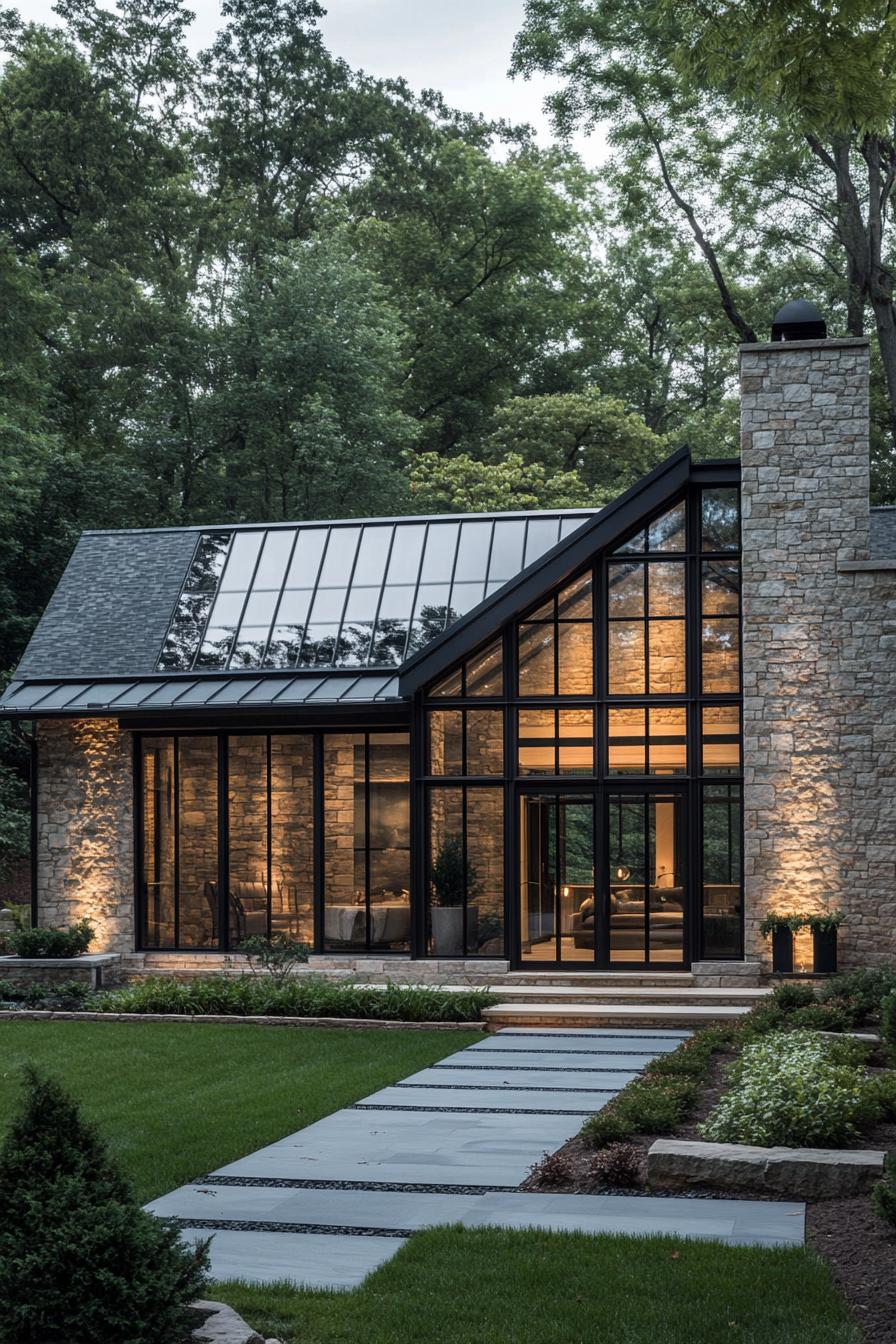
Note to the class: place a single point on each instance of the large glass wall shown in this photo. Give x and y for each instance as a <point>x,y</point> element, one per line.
<point>178,871</point>
<point>624,686</point>
<point>367,842</point>
<point>260,849</point>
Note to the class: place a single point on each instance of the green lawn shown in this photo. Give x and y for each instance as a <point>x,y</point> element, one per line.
<point>175,1101</point>
<point>453,1286</point>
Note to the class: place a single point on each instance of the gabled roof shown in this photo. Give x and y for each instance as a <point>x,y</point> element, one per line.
<point>104,644</point>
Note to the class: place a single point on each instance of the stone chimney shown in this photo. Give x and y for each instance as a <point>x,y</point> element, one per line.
<point>814,671</point>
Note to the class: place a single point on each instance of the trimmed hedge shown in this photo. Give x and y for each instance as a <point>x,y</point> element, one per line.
<point>70,942</point>
<point>260,996</point>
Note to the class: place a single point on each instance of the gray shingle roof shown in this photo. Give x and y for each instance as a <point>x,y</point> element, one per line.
<point>110,611</point>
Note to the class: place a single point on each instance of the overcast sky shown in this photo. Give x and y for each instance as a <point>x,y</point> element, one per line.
<point>461,47</point>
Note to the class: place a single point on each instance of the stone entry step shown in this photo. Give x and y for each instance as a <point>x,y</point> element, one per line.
<point>637,994</point>
<point>508,1014</point>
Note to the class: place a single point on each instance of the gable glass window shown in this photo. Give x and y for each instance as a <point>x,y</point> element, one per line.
<point>466,741</point>
<point>556,741</point>
<point>480,676</point>
<point>647,740</point>
<point>555,646</point>
<point>646,627</point>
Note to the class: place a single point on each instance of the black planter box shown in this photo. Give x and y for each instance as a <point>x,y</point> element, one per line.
<point>782,951</point>
<point>824,952</point>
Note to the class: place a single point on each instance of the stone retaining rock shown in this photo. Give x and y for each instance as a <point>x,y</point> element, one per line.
<point>810,1173</point>
<point>222,1325</point>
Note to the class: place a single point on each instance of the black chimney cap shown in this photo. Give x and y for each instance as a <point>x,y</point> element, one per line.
<point>798,320</point>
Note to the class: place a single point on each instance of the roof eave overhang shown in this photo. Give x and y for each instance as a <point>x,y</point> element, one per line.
<point>652,492</point>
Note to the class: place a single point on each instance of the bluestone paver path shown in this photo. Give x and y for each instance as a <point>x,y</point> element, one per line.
<point>450,1144</point>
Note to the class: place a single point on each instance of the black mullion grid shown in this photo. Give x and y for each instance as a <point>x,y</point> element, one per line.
<point>214,596</point>
<point>176,754</point>
<point>225,666</point>
<point>223,743</point>
<point>279,603</point>
<point>270,837</point>
<point>366,835</point>
<point>314,587</point>
<point>379,602</point>
<point>463,823</point>
<point>555,877</point>
<point>318,840</point>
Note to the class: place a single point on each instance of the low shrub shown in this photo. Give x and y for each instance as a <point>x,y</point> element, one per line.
<point>553,1171</point>
<point>618,1165</point>
<point>864,989</point>
<point>793,994</point>
<point>791,1088</point>
<point>604,1128</point>
<point>80,1261</point>
<point>888,1020</point>
<point>255,995</point>
<point>884,1194</point>
<point>70,942</point>
<point>882,1090</point>
<point>656,1105</point>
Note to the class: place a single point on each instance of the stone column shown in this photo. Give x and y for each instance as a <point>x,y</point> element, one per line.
<point>804,452</point>
<point>85,829</point>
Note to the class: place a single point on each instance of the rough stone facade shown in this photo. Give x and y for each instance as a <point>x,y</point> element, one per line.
<point>819,638</point>
<point>85,832</point>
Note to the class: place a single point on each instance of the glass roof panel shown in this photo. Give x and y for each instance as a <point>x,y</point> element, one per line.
<point>339,559</point>
<point>438,556</point>
<point>241,561</point>
<point>304,566</point>
<point>404,562</point>
<point>507,549</point>
<point>540,537</point>
<point>366,594</point>
<point>472,552</point>
<point>275,555</point>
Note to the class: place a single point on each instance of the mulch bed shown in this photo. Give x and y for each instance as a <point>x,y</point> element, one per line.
<point>860,1247</point>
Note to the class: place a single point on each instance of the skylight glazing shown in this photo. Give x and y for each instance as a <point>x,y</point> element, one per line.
<point>346,595</point>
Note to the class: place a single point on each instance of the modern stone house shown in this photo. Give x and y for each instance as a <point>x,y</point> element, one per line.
<point>581,741</point>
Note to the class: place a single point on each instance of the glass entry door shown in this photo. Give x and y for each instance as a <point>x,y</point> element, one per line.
<point>647,888</point>
<point>557,896</point>
<point>602,879</point>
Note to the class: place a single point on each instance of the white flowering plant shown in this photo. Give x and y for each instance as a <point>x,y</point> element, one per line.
<point>795,1089</point>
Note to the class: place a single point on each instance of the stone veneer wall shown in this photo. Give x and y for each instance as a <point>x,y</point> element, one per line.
<point>819,645</point>
<point>85,833</point>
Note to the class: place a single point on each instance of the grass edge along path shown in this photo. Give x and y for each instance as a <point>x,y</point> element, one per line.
<point>465,1286</point>
<point>175,1102</point>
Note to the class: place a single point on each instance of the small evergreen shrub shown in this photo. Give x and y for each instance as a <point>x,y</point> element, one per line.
<point>80,1261</point>
<point>618,1165</point>
<point>790,1088</point>
<point>70,942</point>
<point>882,1090</point>
<point>884,1193</point>
<point>604,1128</point>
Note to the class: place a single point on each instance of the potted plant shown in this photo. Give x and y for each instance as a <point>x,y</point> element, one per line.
<point>824,928</point>
<point>453,881</point>
<point>781,928</point>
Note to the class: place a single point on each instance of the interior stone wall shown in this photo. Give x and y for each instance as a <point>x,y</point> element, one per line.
<point>819,623</point>
<point>85,832</point>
